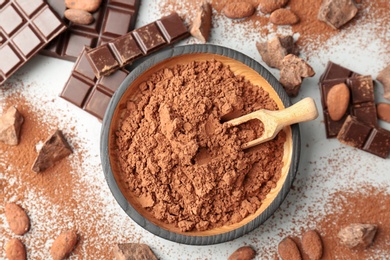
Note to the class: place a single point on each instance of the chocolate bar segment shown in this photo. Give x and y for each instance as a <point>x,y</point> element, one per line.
<point>363,136</point>
<point>87,92</point>
<point>361,104</point>
<point>114,18</point>
<point>136,44</point>
<point>378,143</point>
<point>25,28</point>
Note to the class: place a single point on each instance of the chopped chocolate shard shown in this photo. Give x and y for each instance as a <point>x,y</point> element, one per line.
<point>201,25</point>
<point>54,149</point>
<point>361,104</point>
<point>10,124</point>
<point>353,132</point>
<point>336,13</point>
<point>133,251</point>
<point>378,143</point>
<point>364,136</point>
<point>357,235</point>
<point>384,78</point>
<point>273,51</point>
<point>293,70</point>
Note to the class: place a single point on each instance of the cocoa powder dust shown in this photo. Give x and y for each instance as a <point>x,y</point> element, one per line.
<point>181,162</point>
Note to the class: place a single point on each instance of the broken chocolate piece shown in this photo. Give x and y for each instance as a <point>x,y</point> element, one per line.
<point>293,70</point>
<point>336,13</point>
<point>10,124</point>
<point>362,101</point>
<point>133,251</point>
<point>54,149</point>
<point>274,50</point>
<point>384,78</point>
<point>201,25</point>
<point>357,235</point>
<point>363,136</point>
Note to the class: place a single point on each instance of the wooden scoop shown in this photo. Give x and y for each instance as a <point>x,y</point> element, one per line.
<point>274,121</point>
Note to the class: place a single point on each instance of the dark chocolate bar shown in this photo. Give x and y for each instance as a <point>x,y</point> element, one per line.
<point>362,103</point>
<point>113,19</point>
<point>87,92</point>
<point>363,136</point>
<point>116,54</point>
<point>25,28</point>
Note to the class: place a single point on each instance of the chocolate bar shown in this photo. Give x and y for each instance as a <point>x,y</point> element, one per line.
<point>122,51</point>
<point>363,136</point>
<point>113,19</point>
<point>87,92</point>
<point>361,104</point>
<point>25,28</point>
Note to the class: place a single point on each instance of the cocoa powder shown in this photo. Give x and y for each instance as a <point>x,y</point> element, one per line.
<point>56,199</point>
<point>186,167</point>
<point>311,33</point>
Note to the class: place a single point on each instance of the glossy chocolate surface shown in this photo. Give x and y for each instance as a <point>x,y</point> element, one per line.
<point>362,101</point>
<point>113,19</point>
<point>87,92</point>
<point>363,136</point>
<point>26,26</point>
<point>142,41</point>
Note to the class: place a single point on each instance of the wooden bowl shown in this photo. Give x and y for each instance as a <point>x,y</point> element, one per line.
<point>240,65</point>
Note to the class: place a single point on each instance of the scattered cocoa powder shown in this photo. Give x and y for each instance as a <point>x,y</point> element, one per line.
<point>363,204</point>
<point>58,198</point>
<point>187,168</point>
<point>312,33</point>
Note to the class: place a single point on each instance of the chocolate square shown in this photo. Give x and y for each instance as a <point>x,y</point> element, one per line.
<point>378,143</point>
<point>353,132</point>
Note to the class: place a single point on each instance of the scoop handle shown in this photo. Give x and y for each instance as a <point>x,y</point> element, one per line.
<point>302,111</point>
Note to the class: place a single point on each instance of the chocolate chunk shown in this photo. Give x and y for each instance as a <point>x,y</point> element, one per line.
<point>357,235</point>
<point>361,104</point>
<point>10,124</point>
<point>378,143</point>
<point>336,13</point>
<point>133,251</point>
<point>274,50</point>
<point>27,26</point>
<point>353,132</point>
<point>293,70</point>
<point>334,71</point>
<point>112,19</point>
<point>201,25</point>
<point>109,57</point>
<point>54,149</point>
<point>361,135</point>
<point>384,78</point>
<point>87,92</point>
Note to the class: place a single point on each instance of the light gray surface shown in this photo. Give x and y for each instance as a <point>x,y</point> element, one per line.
<point>325,166</point>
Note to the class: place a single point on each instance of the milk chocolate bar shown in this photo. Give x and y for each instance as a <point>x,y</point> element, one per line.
<point>363,136</point>
<point>362,103</point>
<point>87,92</point>
<point>26,26</point>
<point>142,41</point>
<point>113,19</point>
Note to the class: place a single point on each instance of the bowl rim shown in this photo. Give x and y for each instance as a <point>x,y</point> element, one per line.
<point>109,175</point>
